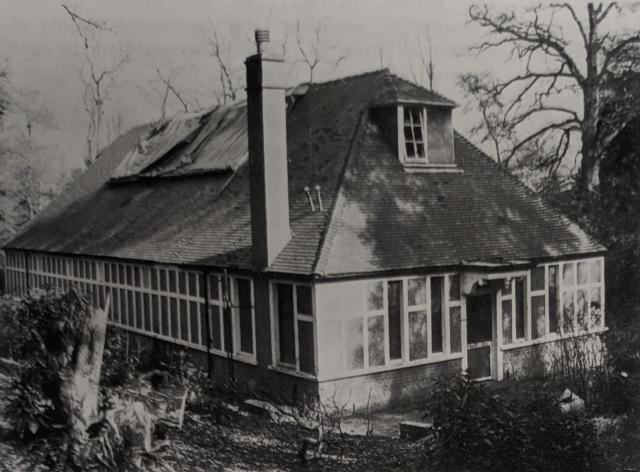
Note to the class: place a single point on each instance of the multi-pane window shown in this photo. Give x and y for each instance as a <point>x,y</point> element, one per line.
<point>582,296</point>
<point>414,132</point>
<point>405,320</point>
<point>563,298</point>
<point>163,301</point>
<point>16,273</point>
<point>294,333</point>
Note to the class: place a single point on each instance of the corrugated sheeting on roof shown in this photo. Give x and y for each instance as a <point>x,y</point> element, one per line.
<point>212,140</point>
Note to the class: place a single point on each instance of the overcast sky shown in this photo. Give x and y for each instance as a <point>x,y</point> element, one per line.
<point>44,53</point>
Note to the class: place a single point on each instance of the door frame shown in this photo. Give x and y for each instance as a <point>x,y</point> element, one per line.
<point>493,343</point>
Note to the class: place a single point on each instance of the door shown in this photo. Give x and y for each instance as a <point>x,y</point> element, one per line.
<point>480,336</point>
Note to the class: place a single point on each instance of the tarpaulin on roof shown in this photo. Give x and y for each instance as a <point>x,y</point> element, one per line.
<point>214,139</point>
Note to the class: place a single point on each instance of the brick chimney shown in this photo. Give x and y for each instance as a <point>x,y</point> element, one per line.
<point>267,131</point>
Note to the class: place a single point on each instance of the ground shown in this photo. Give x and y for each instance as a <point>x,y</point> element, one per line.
<point>239,441</point>
<point>235,440</point>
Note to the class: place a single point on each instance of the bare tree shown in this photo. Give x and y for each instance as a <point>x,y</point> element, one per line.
<point>424,72</point>
<point>533,102</point>
<point>97,75</point>
<point>230,77</point>
<point>167,77</point>
<point>316,51</point>
<point>21,172</point>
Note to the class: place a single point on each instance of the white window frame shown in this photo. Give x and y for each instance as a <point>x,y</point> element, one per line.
<point>432,357</point>
<point>590,286</point>
<point>235,318</point>
<point>41,276</point>
<point>402,150</point>
<point>297,316</point>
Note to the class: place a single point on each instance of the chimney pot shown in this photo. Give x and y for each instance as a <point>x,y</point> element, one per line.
<point>262,39</point>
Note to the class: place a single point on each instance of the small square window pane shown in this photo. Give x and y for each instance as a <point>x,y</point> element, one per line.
<point>583,273</point>
<point>194,316</point>
<point>595,308</point>
<point>163,279</point>
<point>454,287</point>
<point>154,278</point>
<point>568,279</point>
<point>214,288</point>
<point>507,322</point>
<point>582,309</point>
<point>375,296</point>
<point>306,347</point>
<point>567,312</point>
<point>193,285</point>
<point>417,133</point>
<point>172,281</point>
<point>303,296</point>
<point>538,321</point>
<point>145,277</point>
<point>410,150</point>
<point>418,340</point>
<point>455,316</point>
<point>184,320</point>
<point>182,283</point>
<point>596,271</point>
<point>537,278</point>
<point>420,150</point>
<point>375,326</point>
<point>408,135</point>
<point>355,350</point>
<point>417,291</point>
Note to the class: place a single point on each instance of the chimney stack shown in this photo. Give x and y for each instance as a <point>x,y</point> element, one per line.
<point>267,133</point>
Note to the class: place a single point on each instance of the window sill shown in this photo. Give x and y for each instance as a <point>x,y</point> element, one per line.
<point>289,371</point>
<point>392,367</point>
<point>245,358</point>
<point>418,167</point>
<point>551,338</point>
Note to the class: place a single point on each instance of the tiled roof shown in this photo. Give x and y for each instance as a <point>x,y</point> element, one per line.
<point>377,216</point>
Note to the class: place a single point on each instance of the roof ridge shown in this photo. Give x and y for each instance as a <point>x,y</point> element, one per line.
<point>384,70</point>
<point>434,92</point>
<point>326,239</point>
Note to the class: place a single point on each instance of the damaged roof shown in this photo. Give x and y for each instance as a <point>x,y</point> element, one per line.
<point>178,193</point>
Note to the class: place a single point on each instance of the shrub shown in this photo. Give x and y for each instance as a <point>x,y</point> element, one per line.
<point>120,362</point>
<point>43,325</point>
<point>475,430</point>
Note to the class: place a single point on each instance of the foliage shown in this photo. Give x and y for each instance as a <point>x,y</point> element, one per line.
<point>120,362</point>
<point>475,430</point>
<point>43,325</point>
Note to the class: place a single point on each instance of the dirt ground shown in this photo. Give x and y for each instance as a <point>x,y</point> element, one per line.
<point>239,441</point>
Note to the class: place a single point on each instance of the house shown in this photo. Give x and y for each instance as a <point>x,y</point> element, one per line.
<point>336,240</point>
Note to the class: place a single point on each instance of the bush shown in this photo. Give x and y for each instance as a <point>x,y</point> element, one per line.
<point>474,430</point>
<point>42,325</point>
<point>120,362</point>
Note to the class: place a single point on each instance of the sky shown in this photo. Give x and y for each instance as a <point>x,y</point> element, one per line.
<point>44,54</point>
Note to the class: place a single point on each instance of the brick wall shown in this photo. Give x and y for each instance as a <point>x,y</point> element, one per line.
<point>399,388</point>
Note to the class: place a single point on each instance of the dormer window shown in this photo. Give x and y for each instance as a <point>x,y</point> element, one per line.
<point>415,132</point>
<point>420,132</point>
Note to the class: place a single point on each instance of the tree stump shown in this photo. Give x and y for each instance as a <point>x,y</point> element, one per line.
<point>80,381</point>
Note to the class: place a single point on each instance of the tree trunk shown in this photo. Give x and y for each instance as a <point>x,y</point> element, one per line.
<point>80,381</point>
<point>587,174</point>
